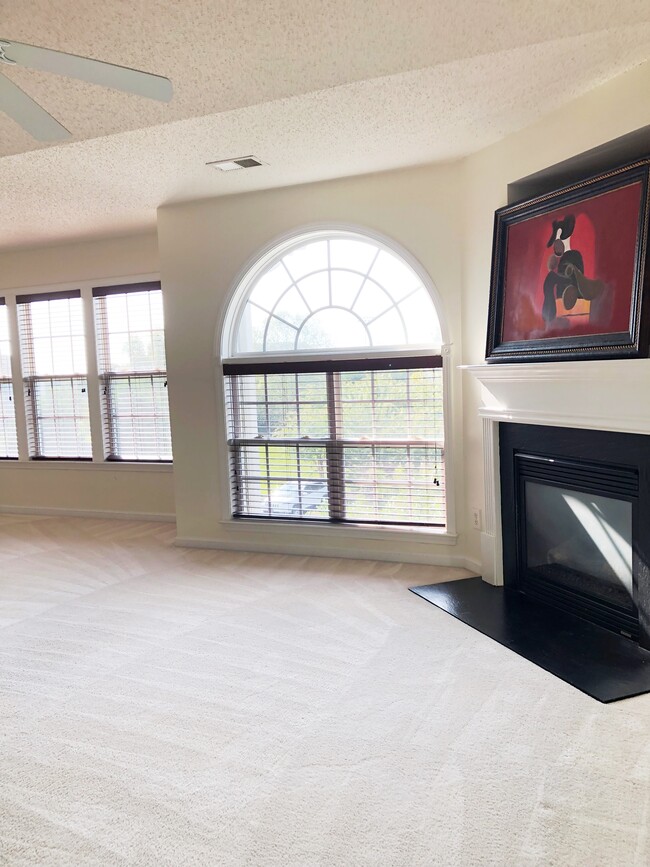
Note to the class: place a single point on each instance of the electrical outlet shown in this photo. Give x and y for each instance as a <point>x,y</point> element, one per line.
<point>477,519</point>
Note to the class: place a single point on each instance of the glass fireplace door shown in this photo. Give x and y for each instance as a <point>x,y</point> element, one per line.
<point>582,541</point>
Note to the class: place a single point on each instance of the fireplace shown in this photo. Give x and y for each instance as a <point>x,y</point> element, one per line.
<point>565,535</point>
<point>573,506</point>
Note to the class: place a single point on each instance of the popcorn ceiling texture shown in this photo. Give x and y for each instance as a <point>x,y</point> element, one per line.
<point>234,53</point>
<point>316,89</point>
<point>114,184</point>
<point>184,708</point>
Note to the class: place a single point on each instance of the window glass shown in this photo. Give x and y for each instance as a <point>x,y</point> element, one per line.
<point>299,301</point>
<point>54,362</point>
<point>5,344</point>
<point>131,360</point>
<point>53,337</point>
<point>338,445</point>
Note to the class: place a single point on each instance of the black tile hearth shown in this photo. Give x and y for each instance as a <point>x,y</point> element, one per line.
<point>606,666</point>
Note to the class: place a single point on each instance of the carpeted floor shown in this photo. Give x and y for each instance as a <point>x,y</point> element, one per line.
<point>161,706</point>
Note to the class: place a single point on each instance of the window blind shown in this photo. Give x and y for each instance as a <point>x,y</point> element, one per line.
<point>8,439</point>
<point>132,370</point>
<point>338,441</point>
<point>53,353</point>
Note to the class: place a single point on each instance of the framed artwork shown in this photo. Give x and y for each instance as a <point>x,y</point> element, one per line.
<point>570,272</point>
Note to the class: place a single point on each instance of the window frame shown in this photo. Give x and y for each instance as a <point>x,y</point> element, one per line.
<point>98,461</point>
<point>106,379</point>
<point>276,249</point>
<point>226,354</point>
<point>32,380</point>
<point>334,444</point>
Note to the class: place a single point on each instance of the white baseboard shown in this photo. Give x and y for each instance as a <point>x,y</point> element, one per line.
<point>52,512</point>
<point>325,550</point>
<point>321,549</point>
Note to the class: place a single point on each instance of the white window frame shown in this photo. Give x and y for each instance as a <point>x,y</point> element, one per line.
<point>98,460</point>
<point>33,380</point>
<point>225,343</point>
<point>107,379</point>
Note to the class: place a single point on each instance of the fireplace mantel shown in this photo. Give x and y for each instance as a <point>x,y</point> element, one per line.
<point>603,395</point>
<point>598,395</point>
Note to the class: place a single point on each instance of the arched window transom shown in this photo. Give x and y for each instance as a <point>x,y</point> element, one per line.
<point>340,292</point>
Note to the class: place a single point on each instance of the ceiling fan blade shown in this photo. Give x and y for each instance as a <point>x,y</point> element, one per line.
<point>34,119</point>
<point>86,69</point>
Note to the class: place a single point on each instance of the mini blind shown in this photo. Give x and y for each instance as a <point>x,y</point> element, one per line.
<point>132,369</point>
<point>8,439</point>
<point>53,353</point>
<point>341,441</point>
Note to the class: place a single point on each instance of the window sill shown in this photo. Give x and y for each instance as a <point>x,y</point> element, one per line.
<point>102,466</point>
<point>342,531</point>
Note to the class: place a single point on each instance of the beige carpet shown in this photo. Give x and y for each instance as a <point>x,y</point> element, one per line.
<point>161,706</point>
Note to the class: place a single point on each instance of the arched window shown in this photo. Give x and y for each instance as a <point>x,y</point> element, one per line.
<point>333,371</point>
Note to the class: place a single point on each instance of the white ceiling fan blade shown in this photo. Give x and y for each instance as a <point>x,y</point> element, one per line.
<point>94,71</point>
<point>34,119</point>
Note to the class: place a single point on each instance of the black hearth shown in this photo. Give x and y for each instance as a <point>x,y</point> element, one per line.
<point>574,505</point>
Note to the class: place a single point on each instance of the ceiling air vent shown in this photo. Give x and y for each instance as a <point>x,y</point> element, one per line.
<point>232,165</point>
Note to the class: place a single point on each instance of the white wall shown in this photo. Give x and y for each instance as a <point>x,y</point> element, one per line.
<point>203,247</point>
<point>87,488</point>
<point>614,109</point>
<point>84,260</point>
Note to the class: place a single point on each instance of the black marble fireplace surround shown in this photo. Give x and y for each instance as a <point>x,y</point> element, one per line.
<point>575,508</point>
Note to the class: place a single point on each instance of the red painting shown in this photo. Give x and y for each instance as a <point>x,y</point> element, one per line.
<point>569,272</point>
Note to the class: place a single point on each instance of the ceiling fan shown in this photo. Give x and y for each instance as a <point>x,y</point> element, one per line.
<point>38,122</point>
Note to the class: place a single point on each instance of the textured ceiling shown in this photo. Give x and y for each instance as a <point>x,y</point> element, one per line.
<point>316,89</point>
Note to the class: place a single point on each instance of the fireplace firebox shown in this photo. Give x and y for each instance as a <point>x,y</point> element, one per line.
<point>576,523</point>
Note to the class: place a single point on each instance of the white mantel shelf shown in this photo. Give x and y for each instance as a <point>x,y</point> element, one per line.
<point>598,395</point>
<point>603,395</point>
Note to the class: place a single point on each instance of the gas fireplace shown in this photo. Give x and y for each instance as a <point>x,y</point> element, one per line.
<point>575,518</point>
<point>565,542</point>
<point>572,548</point>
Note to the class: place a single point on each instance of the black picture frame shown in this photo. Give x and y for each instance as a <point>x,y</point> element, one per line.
<point>632,342</point>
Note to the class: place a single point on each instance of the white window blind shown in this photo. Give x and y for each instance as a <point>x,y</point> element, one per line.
<point>132,370</point>
<point>53,353</point>
<point>8,439</point>
<point>338,440</point>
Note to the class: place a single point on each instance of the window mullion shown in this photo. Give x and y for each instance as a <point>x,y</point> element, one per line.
<point>17,380</point>
<point>334,449</point>
<point>93,382</point>
<point>28,386</point>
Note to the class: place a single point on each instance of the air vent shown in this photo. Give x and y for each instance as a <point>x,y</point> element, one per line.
<point>232,165</point>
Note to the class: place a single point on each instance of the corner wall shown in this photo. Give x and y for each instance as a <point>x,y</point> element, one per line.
<point>607,112</point>
<point>203,248</point>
